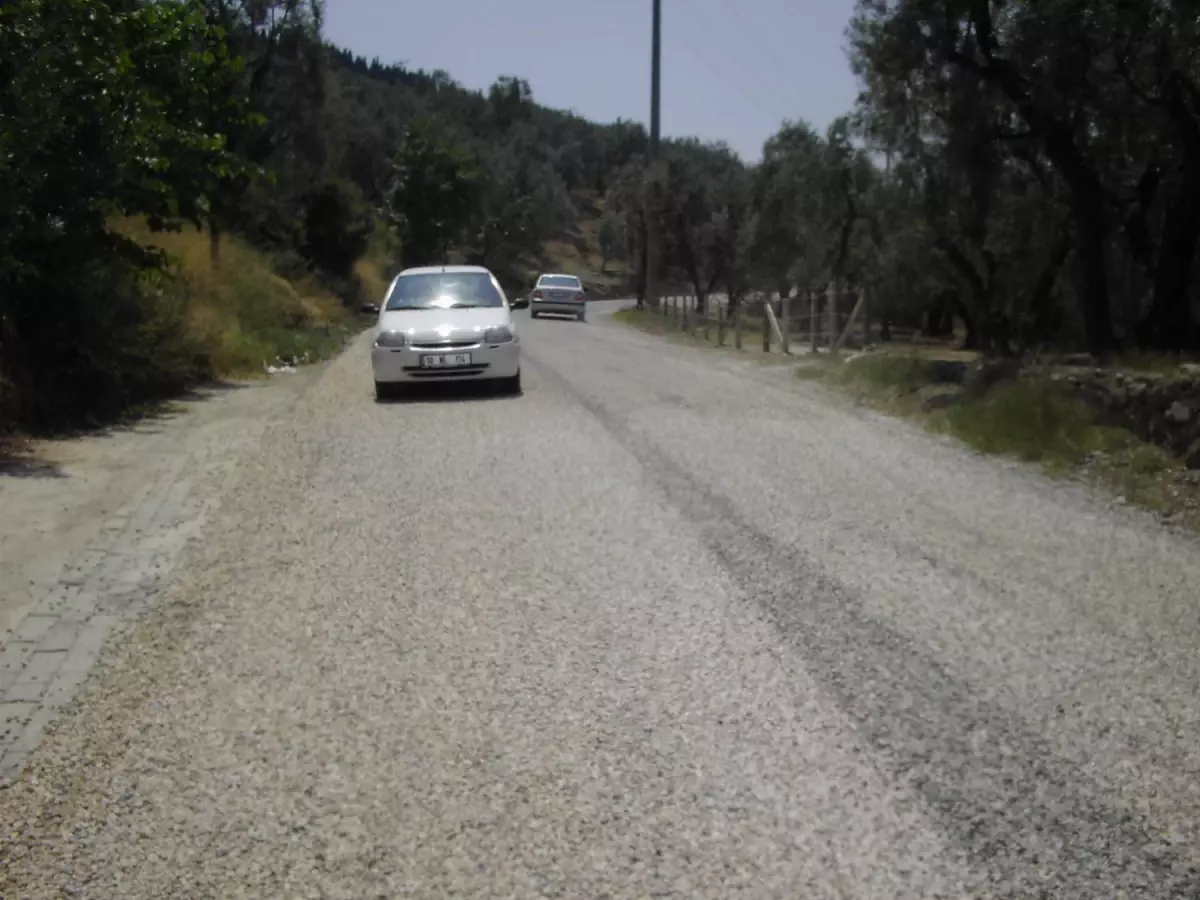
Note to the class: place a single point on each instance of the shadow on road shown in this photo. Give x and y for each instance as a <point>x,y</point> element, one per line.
<point>446,392</point>
<point>29,468</point>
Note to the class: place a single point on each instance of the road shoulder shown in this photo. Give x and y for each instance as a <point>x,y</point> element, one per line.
<point>95,528</point>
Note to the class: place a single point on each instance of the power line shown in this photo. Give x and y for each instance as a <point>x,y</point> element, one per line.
<point>771,83</point>
<point>723,76</point>
<point>754,34</point>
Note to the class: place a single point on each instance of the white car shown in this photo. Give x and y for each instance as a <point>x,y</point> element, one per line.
<point>445,323</point>
<point>560,295</point>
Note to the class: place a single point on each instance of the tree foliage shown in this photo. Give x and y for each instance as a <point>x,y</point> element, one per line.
<point>1031,170</point>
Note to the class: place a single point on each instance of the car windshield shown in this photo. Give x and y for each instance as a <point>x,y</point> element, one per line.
<point>444,290</point>
<point>560,281</point>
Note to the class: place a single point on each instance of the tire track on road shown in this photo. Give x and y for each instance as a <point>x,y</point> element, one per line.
<point>1031,820</point>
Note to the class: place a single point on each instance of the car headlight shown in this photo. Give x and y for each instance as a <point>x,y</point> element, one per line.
<point>501,334</point>
<point>390,339</point>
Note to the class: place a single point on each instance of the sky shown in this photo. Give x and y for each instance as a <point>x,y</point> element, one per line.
<point>732,70</point>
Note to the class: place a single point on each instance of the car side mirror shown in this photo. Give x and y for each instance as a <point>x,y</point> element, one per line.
<point>519,303</point>
<point>370,308</point>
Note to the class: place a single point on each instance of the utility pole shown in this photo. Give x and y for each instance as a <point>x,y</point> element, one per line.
<point>650,286</point>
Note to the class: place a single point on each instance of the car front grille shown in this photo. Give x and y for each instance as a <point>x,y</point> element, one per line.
<point>418,372</point>
<point>443,345</point>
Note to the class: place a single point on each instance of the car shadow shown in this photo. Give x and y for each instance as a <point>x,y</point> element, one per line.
<point>447,392</point>
<point>30,468</point>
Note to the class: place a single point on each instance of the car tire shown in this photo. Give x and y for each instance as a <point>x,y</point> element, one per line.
<point>511,387</point>
<point>385,390</point>
<point>532,314</point>
<point>582,318</point>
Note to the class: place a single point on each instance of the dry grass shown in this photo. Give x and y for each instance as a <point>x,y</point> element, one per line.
<point>655,323</point>
<point>577,250</point>
<point>372,278</point>
<point>240,314</point>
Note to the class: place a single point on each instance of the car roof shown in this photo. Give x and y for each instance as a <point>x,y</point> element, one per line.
<point>558,275</point>
<point>445,270</point>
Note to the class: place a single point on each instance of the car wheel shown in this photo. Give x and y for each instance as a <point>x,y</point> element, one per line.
<point>511,386</point>
<point>533,315</point>
<point>385,390</point>
<point>582,318</point>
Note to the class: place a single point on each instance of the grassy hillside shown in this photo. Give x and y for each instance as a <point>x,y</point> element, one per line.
<point>577,250</point>
<point>239,316</point>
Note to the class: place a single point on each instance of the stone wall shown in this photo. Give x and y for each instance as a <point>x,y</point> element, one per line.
<point>1163,409</point>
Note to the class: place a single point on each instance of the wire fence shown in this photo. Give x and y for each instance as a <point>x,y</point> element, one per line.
<point>820,321</point>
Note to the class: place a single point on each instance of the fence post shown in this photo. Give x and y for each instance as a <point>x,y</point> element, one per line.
<point>785,323</point>
<point>814,323</point>
<point>722,315</point>
<point>766,325</point>
<point>737,327</point>
<point>705,317</point>
<point>850,323</point>
<point>831,311</point>
<point>866,317</point>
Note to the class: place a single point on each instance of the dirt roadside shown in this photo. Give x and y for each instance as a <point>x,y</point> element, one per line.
<point>92,527</point>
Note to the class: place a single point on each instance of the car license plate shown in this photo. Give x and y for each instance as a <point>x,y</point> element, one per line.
<point>446,361</point>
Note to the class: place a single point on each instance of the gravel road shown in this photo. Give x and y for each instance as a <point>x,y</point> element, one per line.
<point>668,625</point>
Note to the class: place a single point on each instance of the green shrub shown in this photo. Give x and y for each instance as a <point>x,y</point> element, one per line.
<point>1032,420</point>
<point>903,374</point>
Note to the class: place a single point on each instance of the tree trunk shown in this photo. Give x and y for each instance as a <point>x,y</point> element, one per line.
<point>1087,192</point>
<point>1092,235</point>
<point>977,337</point>
<point>1168,325</point>
<point>1042,321</point>
<point>214,245</point>
<point>1090,215</point>
<point>972,341</point>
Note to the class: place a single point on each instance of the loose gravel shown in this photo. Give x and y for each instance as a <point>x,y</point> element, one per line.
<point>667,625</point>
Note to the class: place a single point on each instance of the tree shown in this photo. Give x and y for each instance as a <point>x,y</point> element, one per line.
<point>1097,104</point>
<point>612,239</point>
<point>337,225</point>
<point>703,207</point>
<point>95,124</point>
<point>280,82</point>
<point>789,192</point>
<point>433,193</point>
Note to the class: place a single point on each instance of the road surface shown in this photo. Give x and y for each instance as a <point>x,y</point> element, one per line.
<point>668,625</point>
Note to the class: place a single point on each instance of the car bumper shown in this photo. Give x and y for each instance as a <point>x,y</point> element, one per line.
<point>559,307</point>
<point>403,364</point>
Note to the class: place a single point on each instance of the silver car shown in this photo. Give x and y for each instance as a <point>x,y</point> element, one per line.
<point>562,295</point>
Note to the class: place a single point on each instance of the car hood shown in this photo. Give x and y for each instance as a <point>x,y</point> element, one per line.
<point>444,324</point>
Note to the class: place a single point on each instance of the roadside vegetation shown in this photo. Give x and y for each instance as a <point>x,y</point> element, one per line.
<point>1041,415</point>
<point>193,188</point>
<point>1018,184</point>
<point>1126,426</point>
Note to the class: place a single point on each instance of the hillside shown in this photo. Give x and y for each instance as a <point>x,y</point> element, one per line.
<point>577,249</point>
<point>1071,223</point>
<point>255,147</point>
